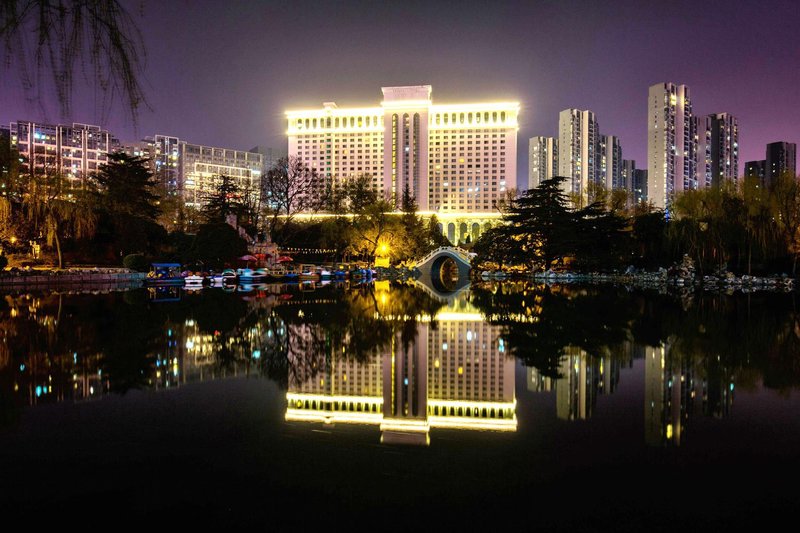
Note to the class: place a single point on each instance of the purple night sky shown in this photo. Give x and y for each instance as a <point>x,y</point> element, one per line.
<point>222,73</point>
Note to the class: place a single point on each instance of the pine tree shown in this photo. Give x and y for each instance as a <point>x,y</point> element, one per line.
<point>127,187</point>
<point>543,224</point>
<point>224,201</point>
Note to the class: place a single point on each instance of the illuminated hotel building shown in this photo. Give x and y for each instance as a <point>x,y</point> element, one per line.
<point>456,159</point>
<point>671,143</point>
<point>74,151</point>
<point>454,375</point>
<point>542,160</point>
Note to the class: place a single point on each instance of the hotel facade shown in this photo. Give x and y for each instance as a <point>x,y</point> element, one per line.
<point>457,160</point>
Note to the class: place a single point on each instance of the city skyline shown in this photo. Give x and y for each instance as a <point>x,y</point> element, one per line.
<point>240,104</point>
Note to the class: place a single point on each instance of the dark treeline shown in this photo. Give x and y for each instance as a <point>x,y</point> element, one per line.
<point>750,229</point>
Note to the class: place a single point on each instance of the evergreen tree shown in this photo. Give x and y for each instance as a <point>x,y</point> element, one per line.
<point>224,201</point>
<point>543,225</point>
<point>127,187</point>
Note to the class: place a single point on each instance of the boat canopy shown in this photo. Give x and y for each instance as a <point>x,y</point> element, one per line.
<point>166,265</point>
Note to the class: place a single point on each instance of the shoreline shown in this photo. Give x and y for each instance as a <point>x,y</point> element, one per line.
<point>37,278</point>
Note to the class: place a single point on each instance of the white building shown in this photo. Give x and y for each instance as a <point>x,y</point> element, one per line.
<point>671,143</point>
<point>74,151</point>
<point>192,171</point>
<point>542,160</point>
<point>457,159</point>
<point>578,142</point>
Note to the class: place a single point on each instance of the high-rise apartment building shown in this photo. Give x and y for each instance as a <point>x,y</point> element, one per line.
<point>73,151</point>
<point>610,169</point>
<point>781,158</point>
<point>671,143</point>
<point>717,149</point>
<point>542,160</point>
<point>639,185</point>
<point>454,158</point>
<point>578,143</point>
<point>755,169</point>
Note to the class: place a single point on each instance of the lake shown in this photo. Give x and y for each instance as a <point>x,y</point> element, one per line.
<point>394,406</point>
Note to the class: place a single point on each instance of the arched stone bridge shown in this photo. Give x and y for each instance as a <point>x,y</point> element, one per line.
<point>430,268</point>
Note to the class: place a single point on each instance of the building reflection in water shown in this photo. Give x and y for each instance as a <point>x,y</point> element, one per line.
<point>400,358</point>
<point>453,373</point>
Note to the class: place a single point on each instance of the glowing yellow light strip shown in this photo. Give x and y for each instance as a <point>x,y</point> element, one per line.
<point>293,396</point>
<point>440,216</point>
<point>405,425</point>
<point>454,316</point>
<point>297,132</point>
<point>471,405</point>
<point>472,423</point>
<point>295,415</point>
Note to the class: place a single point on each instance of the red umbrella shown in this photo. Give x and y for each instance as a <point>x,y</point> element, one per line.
<point>284,259</point>
<point>247,258</point>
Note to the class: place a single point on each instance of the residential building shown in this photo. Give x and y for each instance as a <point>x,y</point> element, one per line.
<point>610,169</point>
<point>74,151</point>
<point>781,158</point>
<point>671,143</point>
<point>717,149</point>
<point>627,177</point>
<point>542,160</point>
<point>578,143</point>
<point>755,169</point>
<point>192,171</point>
<point>458,160</point>
<point>639,185</point>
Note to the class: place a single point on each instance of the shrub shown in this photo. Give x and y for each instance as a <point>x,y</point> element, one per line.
<point>136,262</point>
<point>3,262</point>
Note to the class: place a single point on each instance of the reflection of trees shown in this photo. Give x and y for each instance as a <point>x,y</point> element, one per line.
<point>539,322</point>
<point>356,323</point>
<point>723,337</point>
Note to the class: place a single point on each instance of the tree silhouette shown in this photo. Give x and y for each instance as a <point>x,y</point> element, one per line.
<point>98,38</point>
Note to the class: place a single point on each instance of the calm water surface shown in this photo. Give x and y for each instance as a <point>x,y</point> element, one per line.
<point>391,406</point>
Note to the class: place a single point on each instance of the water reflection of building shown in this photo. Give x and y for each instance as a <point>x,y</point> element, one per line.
<point>538,382</point>
<point>669,393</point>
<point>677,387</point>
<point>453,374</point>
<point>582,378</point>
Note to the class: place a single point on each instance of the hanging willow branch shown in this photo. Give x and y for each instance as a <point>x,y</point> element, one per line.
<point>97,38</point>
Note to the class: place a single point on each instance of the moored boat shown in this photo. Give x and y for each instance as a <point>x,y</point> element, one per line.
<point>229,277</point>
<point>309,273</point>
<point>165,274</point>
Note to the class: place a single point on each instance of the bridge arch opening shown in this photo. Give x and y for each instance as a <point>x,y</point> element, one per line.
<point>444,274</point>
